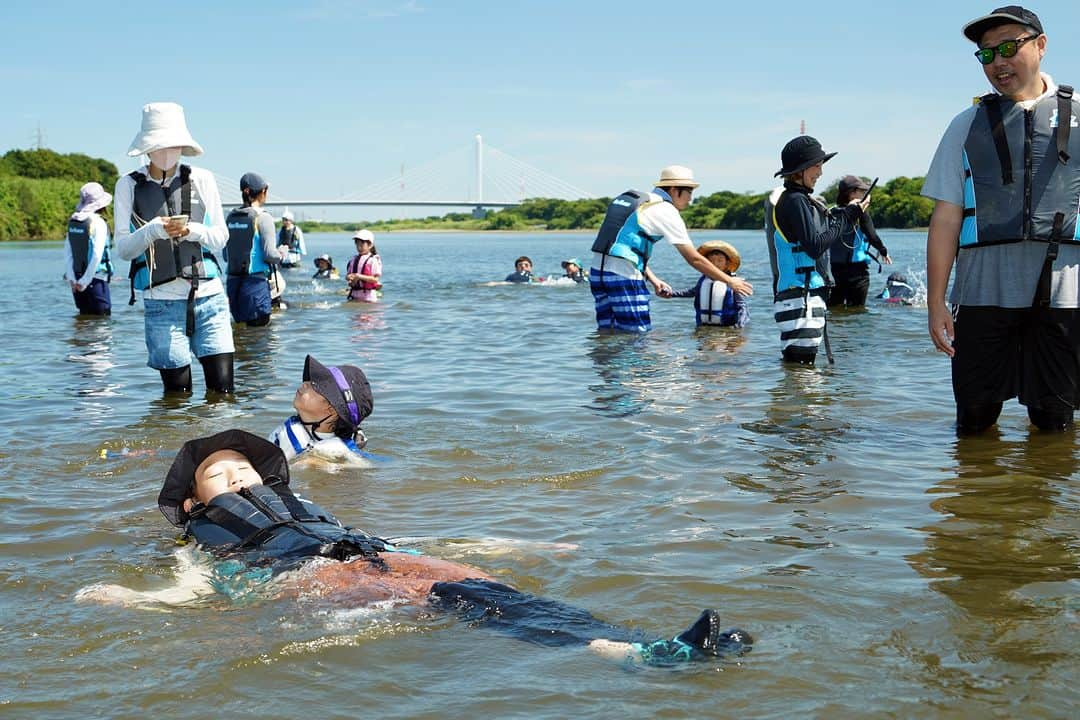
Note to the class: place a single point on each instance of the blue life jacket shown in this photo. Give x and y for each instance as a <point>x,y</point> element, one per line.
<point>269,525</point>
<point>1022,172</point>
<point>852,247</point>
<point>621,235</point>
<point>184,259</point>
<point>793,269</point>
<point>82,249</point>
<point>243,252</point>
<point>711,309</point>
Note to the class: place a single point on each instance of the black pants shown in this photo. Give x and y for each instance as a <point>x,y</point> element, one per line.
<point>852,284</point>
<point>524,616</point>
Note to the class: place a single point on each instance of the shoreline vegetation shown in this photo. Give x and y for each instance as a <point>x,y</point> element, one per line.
<point>39,189</point>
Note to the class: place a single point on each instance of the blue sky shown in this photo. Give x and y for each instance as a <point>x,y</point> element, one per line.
<point>326,98</point>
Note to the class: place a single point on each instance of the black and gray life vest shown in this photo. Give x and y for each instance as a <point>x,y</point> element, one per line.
<point>82,248</point>
<point>1022,172</point>
<point>171,260</point>
<point>620,234</point>
<point>288,237</point>
<point>269,525</point>
<point>243,252</point>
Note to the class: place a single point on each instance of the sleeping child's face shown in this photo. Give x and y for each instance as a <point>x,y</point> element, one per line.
<point>222,472</point>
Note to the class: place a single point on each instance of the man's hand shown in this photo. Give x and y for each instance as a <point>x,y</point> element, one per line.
<point>940,321</point>
<point>741,286</point>
<point>662,288</point>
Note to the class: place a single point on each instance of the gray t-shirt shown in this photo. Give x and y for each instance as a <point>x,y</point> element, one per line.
<point>997,275</point>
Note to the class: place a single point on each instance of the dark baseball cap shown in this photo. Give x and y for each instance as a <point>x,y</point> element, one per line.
<point>345,387</point>
<point>851,183</point>
<point>253,182</point>
<point>1007,15</point>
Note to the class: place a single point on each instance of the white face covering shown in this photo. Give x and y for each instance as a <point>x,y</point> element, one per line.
<point>165,158</point>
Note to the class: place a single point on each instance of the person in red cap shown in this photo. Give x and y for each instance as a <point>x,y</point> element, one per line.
<point>1005,181</point>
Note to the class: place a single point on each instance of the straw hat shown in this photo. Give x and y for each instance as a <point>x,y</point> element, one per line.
<point>676,176</point>
<point>163,126</point>
<point>92,197</point>
<point>734,261</point>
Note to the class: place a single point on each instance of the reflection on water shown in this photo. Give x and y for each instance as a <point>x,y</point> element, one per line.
<point>626,364</point>
<point>1005,549</point>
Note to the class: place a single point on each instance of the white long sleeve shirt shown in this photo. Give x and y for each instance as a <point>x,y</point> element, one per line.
<point>99,240</point>
<point>211,233</point>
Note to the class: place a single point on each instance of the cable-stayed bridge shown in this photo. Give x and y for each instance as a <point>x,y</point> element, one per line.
<point>474,176</point>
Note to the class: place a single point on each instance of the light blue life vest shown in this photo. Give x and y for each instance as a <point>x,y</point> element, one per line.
<point>184,259</point>
<point>243,252</point>
<point>706,306</point>
<point>1022,172</point>
<point>82,249</point>
<point>852,248</point>
<point>793,268</point>
<point>621,235</point>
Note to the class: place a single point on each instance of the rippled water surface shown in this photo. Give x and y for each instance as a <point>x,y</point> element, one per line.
<point>885,568</point>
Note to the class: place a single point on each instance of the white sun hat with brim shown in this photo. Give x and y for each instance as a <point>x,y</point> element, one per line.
<point>163,126</point>
<point>676,176</point>
<point>92,197</point>
<point>364,235</point>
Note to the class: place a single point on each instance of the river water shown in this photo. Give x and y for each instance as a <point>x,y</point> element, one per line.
<point>884,567</point>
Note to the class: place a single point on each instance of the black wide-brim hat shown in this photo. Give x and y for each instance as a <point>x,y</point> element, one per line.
<point>345,387</point>
<point>265,457</point>
<point>800,153</point>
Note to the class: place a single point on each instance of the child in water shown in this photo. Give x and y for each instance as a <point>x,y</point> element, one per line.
<point>330,404</point>
<point>522,271</point>
<point>324,269</point>
<point>897,290</point>
<point>215,491</point>
<point>714,302</point>
<point>364,271</point>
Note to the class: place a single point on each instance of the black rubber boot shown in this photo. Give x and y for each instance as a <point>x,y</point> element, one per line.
<point>705,636</point>
<point>218,371</point>
<point>176,380</point>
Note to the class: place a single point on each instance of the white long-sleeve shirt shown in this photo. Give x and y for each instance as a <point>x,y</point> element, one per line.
<point>99,240</point>
<point>211,233</point>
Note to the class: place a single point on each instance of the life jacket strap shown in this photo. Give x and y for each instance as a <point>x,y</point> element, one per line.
<point>1064,108</point>
<point>997,131</point>
<point>1042,288</point>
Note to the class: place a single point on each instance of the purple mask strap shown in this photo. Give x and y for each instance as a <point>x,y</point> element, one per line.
<point>343,385</point>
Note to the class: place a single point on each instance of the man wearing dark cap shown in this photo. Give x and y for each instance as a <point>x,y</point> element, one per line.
<point>251,253</point>
<point>1006,184</point>
<point>849,256</point>
<point>799,231</point>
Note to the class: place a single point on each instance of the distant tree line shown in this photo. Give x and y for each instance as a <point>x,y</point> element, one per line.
<point>39,190</point>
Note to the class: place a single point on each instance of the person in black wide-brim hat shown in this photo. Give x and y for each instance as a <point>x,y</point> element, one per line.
<point>800,231</point>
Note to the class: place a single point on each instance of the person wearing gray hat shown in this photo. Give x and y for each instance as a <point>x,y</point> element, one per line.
<point>634,223</point>
<point>169,224</point>
<point>799,231</point>
<point>849,256</point>
<point>88,268</point>
<point>1005,181</point>
<point>252,254</point>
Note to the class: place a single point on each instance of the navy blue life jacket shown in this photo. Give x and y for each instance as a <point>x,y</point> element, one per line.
<point>82,248</point>
<point>269,525</point>
<point>243,252</point>
<point>288,237</point>
<point>621,235</point>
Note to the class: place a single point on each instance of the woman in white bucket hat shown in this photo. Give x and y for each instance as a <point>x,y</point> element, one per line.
<point>88,268</point>
<point>169,224</point>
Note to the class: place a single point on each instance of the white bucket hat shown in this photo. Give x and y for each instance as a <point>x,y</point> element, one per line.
<point>364,235</point>
<point>92,197</point>
<point>163,126</point>
<point>287,215</point>
<point>676,176</point>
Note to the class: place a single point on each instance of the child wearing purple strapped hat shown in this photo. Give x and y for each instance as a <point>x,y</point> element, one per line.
<point>330,404</point>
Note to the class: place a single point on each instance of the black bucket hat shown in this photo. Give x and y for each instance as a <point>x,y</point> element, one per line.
<point>1007,15</point>
<point>801,153</point>
<point>345,387</point>
<point>265,457</point>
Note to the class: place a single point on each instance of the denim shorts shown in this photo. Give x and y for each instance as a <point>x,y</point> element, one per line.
<point>166,320</point>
